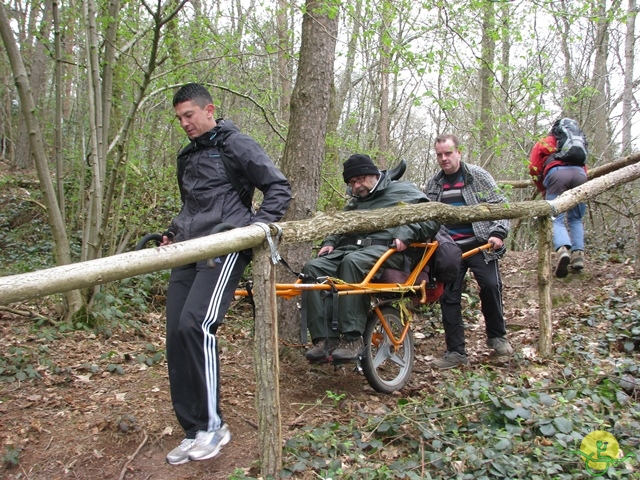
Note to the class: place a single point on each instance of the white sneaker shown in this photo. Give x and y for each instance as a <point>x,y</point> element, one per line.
<point>209,444</point>
<point>180,454</point>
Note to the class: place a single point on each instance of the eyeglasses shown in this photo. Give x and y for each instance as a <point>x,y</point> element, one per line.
<point>355,180</point>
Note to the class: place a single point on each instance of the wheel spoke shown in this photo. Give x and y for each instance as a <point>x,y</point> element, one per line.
<point>398,360</point>
<point>382,355</point>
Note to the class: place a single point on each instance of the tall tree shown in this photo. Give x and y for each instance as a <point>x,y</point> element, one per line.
<point>385,40</point>
<point>598,121</point>
<point>305,144</point>
<point>487,81</point>
<point>284,34</point>
<point>629,60</point>
<point>28,107</point>
<point>33,33</point>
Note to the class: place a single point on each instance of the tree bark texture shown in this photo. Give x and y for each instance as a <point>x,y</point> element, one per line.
<point>304,151</point>
<point>486,77</point>
<point>266,363</point>
<point>629,61</point>
<point>28,107</point>
<point>544,286</point>
<point>69,277</point>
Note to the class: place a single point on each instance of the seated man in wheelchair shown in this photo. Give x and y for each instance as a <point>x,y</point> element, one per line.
<point>337,334</point>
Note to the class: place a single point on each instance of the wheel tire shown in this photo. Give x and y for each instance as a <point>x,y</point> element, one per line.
<point>386,370</point>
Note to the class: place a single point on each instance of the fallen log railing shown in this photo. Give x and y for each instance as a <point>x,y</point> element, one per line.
<point>592,173</point>
<point>25,286</point>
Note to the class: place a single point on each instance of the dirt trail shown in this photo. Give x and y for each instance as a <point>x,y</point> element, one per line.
<point>103,425</point>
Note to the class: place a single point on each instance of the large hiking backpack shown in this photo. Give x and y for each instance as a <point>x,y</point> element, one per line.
<point>572,143</point>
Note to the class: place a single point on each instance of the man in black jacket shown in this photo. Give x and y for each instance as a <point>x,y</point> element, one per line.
<point>199,296</point>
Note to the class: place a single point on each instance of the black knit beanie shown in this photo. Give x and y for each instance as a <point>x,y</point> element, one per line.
<point>358,164</point>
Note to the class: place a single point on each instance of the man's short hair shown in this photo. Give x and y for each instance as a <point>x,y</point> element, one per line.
<point>448,136</point>
<point>193,92</point>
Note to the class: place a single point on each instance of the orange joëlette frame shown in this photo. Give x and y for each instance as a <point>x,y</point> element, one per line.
<point>290,290</point>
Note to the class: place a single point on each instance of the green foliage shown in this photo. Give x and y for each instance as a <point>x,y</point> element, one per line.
<point>11,457</point>
<point>477,429</point>
<point>27,244</point>
<point>18,364</point>
<point>151,355</point>
<point>335,397</point>
<point>482,424</point>
<point>623,312</point>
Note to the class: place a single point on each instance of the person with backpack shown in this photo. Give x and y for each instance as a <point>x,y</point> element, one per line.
<point>557,163</point>
<point>336,328</point>
<point>199,294</point>
<point>459,183</point>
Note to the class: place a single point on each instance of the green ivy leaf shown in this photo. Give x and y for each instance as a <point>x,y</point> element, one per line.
<point>503,444</point>
<point>546,400</point>
<point>548,430</point>
<point>564,425</point>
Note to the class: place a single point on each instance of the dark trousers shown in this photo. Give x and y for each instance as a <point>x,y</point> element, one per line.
<point>350,264</point>
<point>197,301</point>
<point>488,277</point>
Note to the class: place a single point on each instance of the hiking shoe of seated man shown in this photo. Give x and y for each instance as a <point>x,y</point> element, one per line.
<point>209,444</point>
<point>322,349</point>
<point>451,360</point>
<point>180,454</point>
<point>577,260</point>
<point>563,258</point>
<point>500,345</point>
<point>348,349</point>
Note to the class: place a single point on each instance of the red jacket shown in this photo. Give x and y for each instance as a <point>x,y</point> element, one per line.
<point>539,153</point>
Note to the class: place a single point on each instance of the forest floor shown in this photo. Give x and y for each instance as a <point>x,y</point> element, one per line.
<point>105,415</point>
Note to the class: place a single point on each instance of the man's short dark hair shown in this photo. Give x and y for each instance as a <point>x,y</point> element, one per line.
<point>193,92</point>
<point>447,136</point>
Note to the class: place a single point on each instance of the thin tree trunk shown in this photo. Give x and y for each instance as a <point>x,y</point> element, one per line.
<point>58,102</point>
<point>597,128</point>
<point>629,60</point>
<point>544,285</point>
<point>283,59</point>
<point>569,107</point>
<point>91,238</point>
<point>56,221</point>
<point>340,92</point>
<point>385,53</point>
<point>266,363</point>
<point>487,61</point>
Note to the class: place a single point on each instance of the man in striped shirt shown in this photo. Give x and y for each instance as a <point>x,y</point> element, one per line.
<point>460,183</point>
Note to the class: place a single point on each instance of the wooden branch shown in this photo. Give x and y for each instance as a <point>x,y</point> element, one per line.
<point>266,363</point>
<point>595,187</point>
<point>613,166</point>
<point>82,275</point>
<point>515,183</point>
<point>544,286</point>
<point>123,473</point>
<point>28,314</point>
<point>592,173</point>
